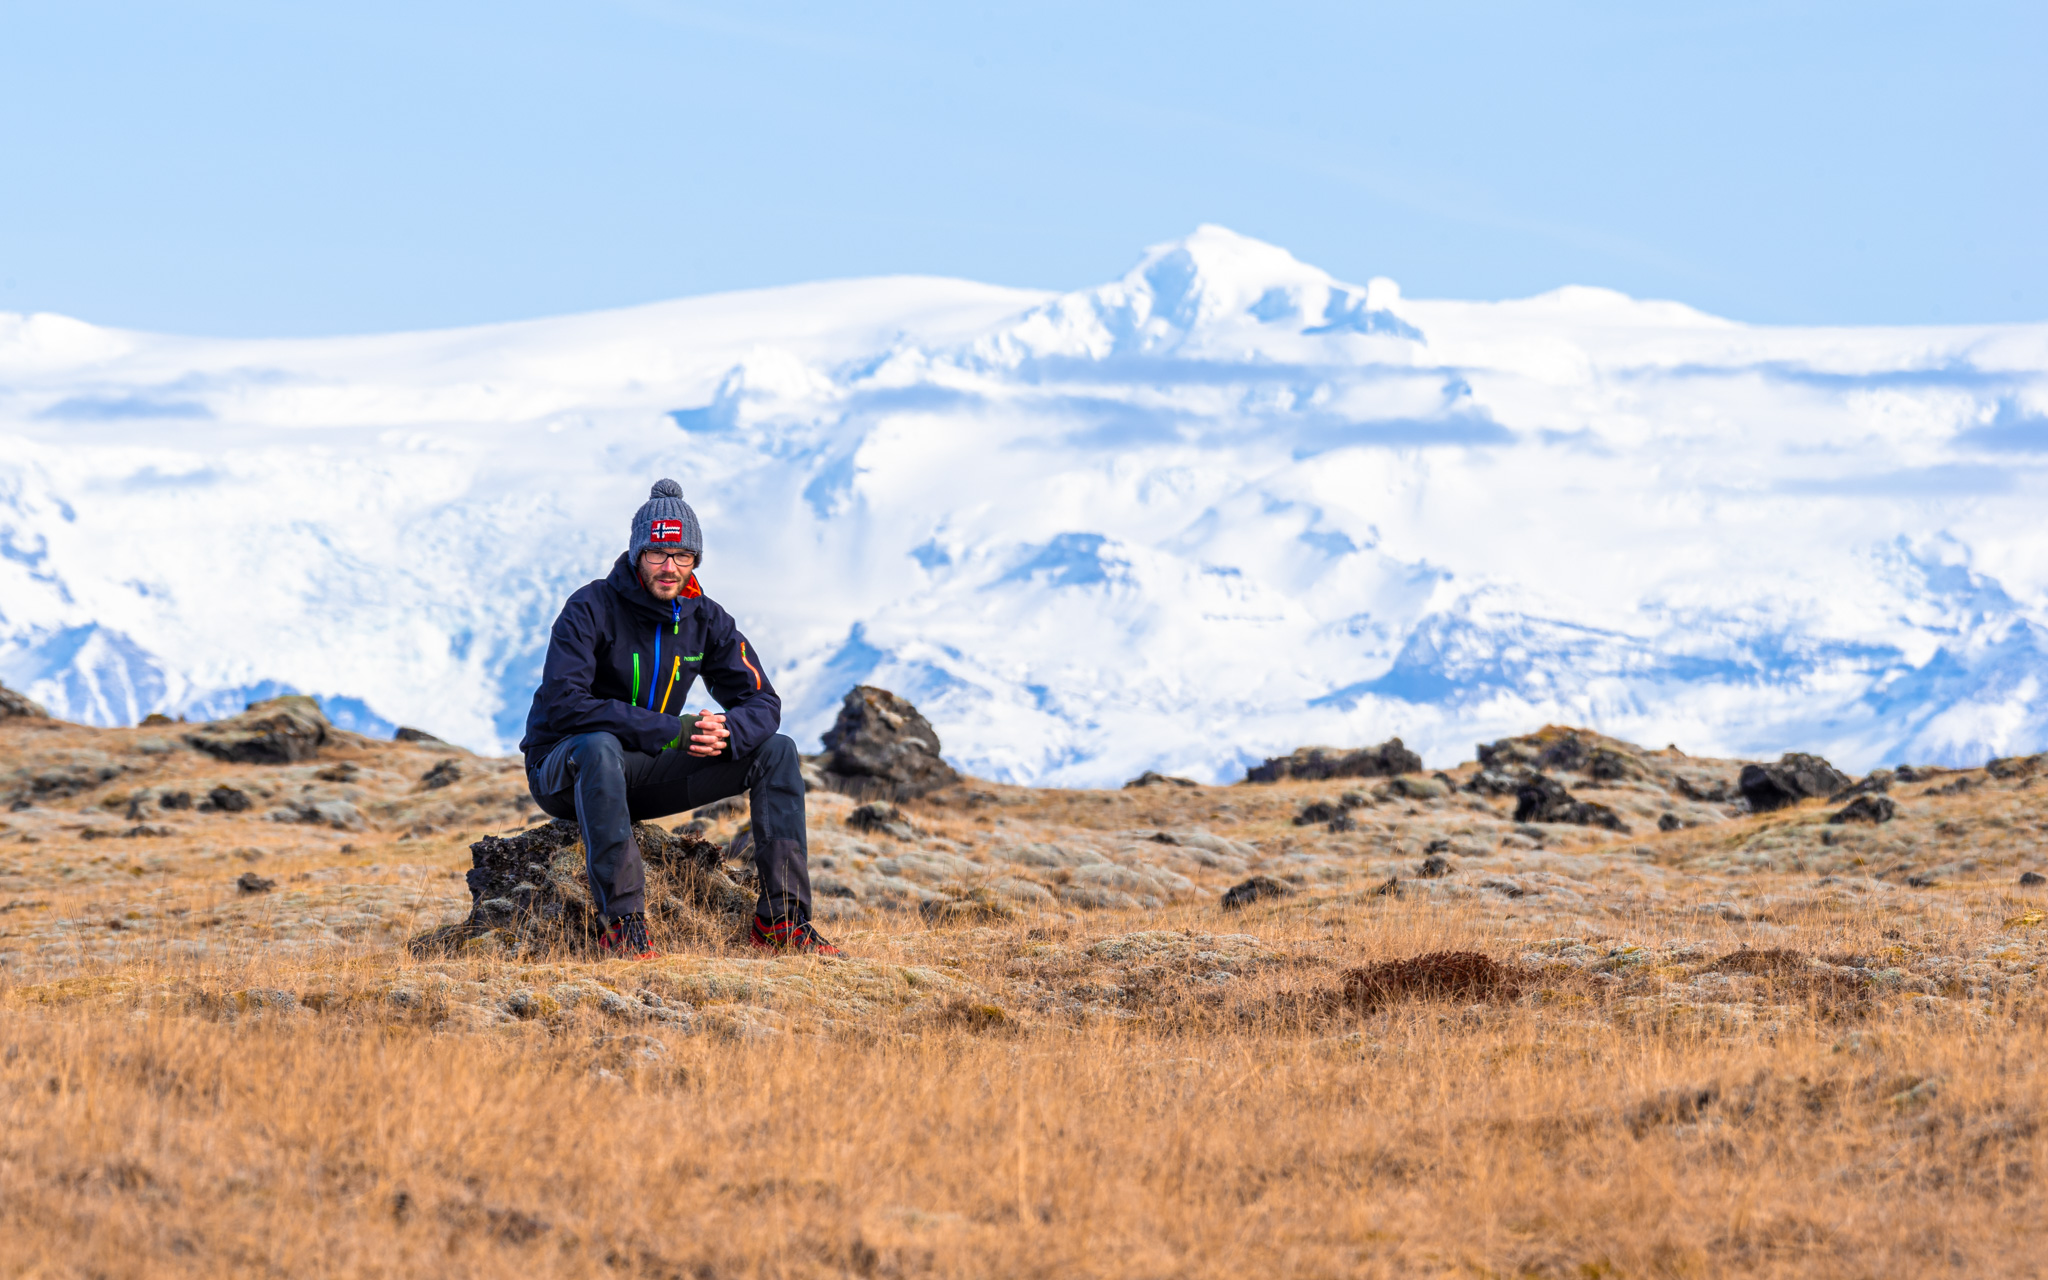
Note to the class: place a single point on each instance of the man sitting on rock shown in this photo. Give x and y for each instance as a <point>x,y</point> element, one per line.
<point>607,745</point>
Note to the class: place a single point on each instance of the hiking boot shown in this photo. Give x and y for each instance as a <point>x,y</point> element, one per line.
<point>626,939</point>
<point>789,935</point>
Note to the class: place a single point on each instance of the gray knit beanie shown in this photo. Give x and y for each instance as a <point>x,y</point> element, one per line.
<point>666,521</point>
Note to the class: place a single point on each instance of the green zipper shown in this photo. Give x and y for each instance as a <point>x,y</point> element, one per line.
<point>636,679</point>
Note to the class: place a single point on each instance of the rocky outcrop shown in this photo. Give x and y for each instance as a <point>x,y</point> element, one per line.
<point>1314,764</point>
<point>1867,808</point>
<point>279,731</point>
<point>530,891</point>
<point>14,704</point>
<point>1544,799</point>
<point>882,748</point>
<point>1796,776</point>
<point>1151,779</point>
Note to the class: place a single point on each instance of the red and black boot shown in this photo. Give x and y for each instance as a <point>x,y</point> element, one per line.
<point>626,939</point>
<point>790,935</point>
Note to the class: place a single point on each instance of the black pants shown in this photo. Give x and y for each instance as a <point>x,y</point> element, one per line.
<point>607,788</point>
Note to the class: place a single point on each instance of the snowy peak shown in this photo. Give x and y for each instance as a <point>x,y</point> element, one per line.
<point>1213,294</point>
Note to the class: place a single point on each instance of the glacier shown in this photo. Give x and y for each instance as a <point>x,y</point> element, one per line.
<point>1221,507</point>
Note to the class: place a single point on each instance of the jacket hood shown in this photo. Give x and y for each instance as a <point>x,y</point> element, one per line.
<point>625,580</point>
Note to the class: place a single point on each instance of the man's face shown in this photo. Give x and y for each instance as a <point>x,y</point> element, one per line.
<point>665,570</point>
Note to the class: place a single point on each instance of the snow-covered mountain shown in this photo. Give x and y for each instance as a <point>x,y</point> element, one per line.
<point>1216,509</point>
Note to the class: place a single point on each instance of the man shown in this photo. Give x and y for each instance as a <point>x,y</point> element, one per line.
<point>607,745</point>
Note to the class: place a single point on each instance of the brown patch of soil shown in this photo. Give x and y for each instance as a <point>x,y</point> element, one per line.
<point>1436,975</point>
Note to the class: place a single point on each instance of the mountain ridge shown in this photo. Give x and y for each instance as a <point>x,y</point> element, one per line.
<point>1195,516</point>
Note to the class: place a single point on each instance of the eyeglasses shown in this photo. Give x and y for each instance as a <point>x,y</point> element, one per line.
<point>686,559</point>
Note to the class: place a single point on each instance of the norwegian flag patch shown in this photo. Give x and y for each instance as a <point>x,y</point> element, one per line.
<point>665,531</point>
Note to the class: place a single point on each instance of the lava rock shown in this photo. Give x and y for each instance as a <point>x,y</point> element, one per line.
<point>1253,890</point>
<point>1434,867</point>
<point>445,774</point>
<point>2006,768</point>
<point>1669,822</point>
<point>1317,812</point>
<point>533,888</point>
<point>882,816</point>
<point>250,882</point>
<point>1569,754</point>
<point>406,734</point>
<point>1796,776</point>
<point>1608,766</point>
<point>1867,808</point>
<point>225,800</point>
<point>14,704</point>
<point>880,746</point>
<point>1341,823</point>
<point>278,731</point>
<point>1879,781</point>
<point>1495,782</point>
<point>1544,799</point>
<point>2032,878</point>
<point>1313,764</point>
<point>1151,779</point>
<point>175,800</point>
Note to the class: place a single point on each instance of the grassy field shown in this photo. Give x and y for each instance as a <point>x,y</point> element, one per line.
<point>1799,1065</point>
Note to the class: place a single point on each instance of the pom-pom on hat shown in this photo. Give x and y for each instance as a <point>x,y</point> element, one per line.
<point>666,521</point>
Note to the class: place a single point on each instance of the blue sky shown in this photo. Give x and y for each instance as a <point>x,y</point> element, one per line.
<point>263,169</point>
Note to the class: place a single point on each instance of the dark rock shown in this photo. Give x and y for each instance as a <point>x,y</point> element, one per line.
<point>1879,781</point>
<point>1317,812</point>
<point>1956,787</point>
<point>1341,823</point>
<point>279,731</point>
<point>1437,846</point>
<point>2032,878</point>
<point>406,734</point>
<point>1544,799</point>
<point>1796,776</point>
<point>1151,779</point>
<point>1868,808</point>
<point>445,774</point>
<point>533,888</point>
<point>175,800</point>
<point>881,747</point>
<point>1609,766</point>
<point>1254,890</point>
<point>1313,764</point>
<point>225,800</point>
<point>1569,754</point>
<point>14,704</point>
<point>343,772</point>
<point>1494,782</point>
<point>2009,767</point>
<point>60,781</point>
<point>1434,867</point>
<point>882,816</point>
<point>874,816</point>
<point>1711,791</point>
<point>250,882</point>
<point>1922,881</point>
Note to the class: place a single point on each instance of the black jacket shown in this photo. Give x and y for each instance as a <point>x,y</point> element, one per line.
<point>622,662</point>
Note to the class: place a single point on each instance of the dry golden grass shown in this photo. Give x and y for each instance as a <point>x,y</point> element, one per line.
<point>1061,1094</point>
